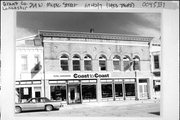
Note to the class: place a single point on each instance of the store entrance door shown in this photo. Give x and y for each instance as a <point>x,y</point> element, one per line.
<point>37,94</point>
<point>143,90</point>
<point>74,94</point>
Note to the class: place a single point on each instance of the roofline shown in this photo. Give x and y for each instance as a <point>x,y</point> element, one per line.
<point>52,33</point>
<point>24,38</point>
<point>93,33</point>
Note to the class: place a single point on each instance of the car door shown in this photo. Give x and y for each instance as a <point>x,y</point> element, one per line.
<point>30,105</point>
<point>40,103</point>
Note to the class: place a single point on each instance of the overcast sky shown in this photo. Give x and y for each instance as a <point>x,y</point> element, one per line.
<point>28,23</point>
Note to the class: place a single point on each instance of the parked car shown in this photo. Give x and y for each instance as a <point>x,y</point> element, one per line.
<point>41,103</point>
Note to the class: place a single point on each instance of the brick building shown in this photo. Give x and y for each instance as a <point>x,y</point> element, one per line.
<point>82,67</point>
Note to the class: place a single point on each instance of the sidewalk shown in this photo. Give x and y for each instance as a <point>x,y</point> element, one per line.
<point>127,108</point>
<point>110,103</point>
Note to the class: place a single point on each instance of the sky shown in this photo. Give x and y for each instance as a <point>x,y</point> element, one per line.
<point>28,23</point>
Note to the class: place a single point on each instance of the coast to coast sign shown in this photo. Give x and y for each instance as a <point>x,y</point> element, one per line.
<point>94,75</point>
<point>78,75</point>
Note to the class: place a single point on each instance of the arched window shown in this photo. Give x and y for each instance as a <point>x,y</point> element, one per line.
<point>136,63</point>
<point>127,63</point>
<point>76,62</point>
<point>102,62</point>
<point>87,63</point>
<point>64,63</point>
<point>116,62</point>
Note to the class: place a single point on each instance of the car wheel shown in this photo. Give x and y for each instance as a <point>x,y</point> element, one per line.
<point>18,109</point>
<point>48,107</point>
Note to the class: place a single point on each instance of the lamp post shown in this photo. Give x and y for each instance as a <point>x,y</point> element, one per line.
<point>136,86</point>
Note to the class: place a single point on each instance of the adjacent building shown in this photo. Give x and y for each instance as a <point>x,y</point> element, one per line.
<point>78,67</point>
<point>29,69</point>
<point>155,52</point>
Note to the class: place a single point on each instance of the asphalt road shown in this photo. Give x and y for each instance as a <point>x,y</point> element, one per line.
<point>136,109</point>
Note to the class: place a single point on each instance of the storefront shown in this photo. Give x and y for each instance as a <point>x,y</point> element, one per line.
<point>118,89</point>
<point>89,90</point>
<point>73,91</point>
<point>73,88</point>
<point>28,89</point>
<point>87,87</point>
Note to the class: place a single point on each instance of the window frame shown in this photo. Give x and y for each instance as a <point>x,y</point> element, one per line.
<point>136,59</point>
<point>156,62</point>
<point>106,93</point>
<point>103,58</point>
<point>58,92</point>
<point>88,59</point>
<point>117,58</point>
<point>76,58</point>
<point>64,59</point>
<point>129,62</point>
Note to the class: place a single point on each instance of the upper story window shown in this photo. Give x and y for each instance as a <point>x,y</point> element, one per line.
<point>64,63</point>
<point>24,64</point>
<point>87,63</point>
<point>76,62</point>
<point>156,62</point>
<point>136,63</point>
<point>117,62</point>
<point>127,63</point>
<point>37,63</point>
<point>102,62</point>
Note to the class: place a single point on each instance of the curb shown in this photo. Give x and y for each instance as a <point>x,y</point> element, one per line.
<point>110,103</point>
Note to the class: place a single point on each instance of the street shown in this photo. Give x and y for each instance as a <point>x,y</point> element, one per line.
<point>146,108</point>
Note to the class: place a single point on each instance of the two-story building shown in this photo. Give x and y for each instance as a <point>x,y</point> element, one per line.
<point>86,67</point>
<point>29,69</point>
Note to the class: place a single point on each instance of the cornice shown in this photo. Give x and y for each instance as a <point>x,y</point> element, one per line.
<point>105,36</point>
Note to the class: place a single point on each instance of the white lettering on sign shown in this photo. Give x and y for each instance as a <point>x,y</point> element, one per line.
<point>61,75</point>
<point>95,75</point>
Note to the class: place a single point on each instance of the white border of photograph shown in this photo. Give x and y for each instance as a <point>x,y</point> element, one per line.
<point>170,65</point>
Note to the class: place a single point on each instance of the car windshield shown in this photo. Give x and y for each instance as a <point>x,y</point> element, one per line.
<point>47,100</point>
<point>31,100</point>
